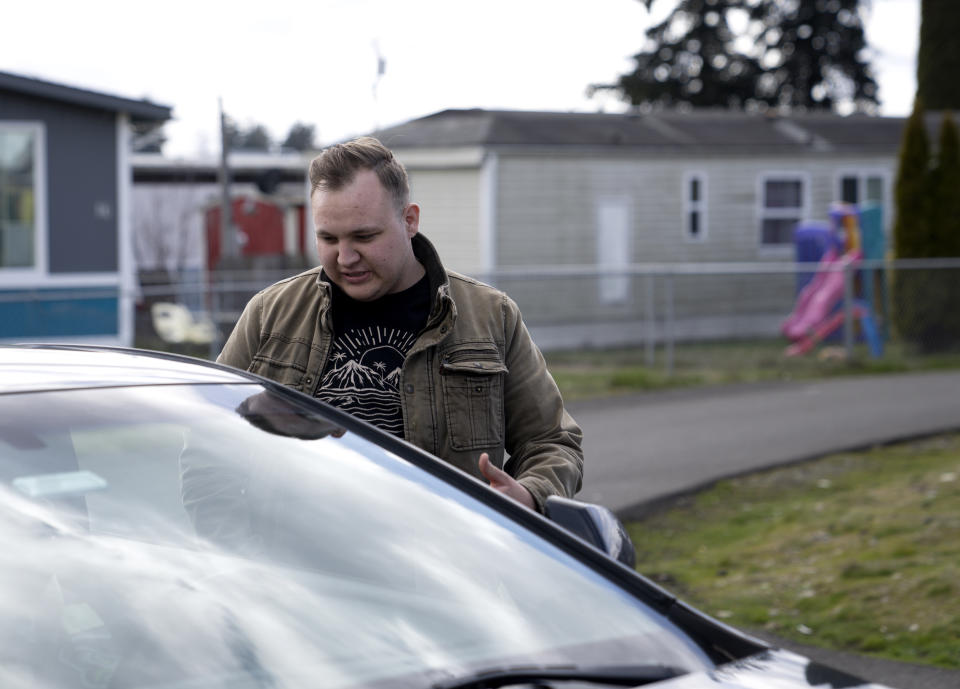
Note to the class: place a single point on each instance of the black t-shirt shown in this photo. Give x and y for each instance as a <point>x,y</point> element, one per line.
<point>370,343</point>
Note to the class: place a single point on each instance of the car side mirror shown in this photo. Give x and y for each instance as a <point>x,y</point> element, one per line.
<point>594,524</point>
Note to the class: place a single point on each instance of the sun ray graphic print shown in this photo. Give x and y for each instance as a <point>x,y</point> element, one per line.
<point>363,375</point>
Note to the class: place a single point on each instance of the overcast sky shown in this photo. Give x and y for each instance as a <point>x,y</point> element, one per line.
<point>276,62</point>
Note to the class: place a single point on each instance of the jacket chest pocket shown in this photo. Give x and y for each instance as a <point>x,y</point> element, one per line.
<point>282,360</point>
<point>472,377</point>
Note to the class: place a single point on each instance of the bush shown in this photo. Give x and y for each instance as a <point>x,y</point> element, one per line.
<point>927,226</point>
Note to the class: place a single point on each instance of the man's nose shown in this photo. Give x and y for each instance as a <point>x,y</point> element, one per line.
<point>346,255</point>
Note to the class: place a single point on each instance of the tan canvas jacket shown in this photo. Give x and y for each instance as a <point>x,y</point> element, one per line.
<point>473,381</point>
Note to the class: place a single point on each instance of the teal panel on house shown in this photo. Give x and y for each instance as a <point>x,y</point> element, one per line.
<point>40,313</point>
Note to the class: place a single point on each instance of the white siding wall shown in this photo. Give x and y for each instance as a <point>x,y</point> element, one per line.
<point>547,204</point>
<point>450,214</point>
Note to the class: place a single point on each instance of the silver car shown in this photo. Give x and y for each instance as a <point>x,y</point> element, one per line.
<point>167,522</point>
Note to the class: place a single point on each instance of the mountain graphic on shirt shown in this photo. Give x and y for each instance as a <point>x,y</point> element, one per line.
<point>355,376</point>
<point>393,379</point>
<point>363,375</point>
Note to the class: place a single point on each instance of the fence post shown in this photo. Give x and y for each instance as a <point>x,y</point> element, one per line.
<point>650,325</point>
<point>214,301</point>
<point>669,334</point>
<point>848,310</point>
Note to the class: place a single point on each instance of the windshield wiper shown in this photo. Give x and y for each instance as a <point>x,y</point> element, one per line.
<point>617,675</point>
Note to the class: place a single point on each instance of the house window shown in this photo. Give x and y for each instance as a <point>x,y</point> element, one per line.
<point>19,192</point>
<point>782,206</point>
<point>695,206</point>
<point>860,187</point>
<point>613,249</point>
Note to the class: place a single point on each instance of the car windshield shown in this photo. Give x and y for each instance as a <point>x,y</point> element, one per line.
<point>231,536</point>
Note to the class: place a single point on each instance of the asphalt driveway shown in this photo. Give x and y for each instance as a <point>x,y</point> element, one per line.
<point>644,448</point>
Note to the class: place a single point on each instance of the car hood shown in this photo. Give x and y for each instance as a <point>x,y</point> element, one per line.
<point>773,669</point>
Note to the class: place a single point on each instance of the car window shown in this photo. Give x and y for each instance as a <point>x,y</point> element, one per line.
<point>227,532</point>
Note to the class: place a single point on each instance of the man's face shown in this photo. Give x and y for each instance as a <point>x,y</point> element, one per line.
<point>364,240</point>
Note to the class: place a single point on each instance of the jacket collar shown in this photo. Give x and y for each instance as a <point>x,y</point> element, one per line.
<point>426,253</point>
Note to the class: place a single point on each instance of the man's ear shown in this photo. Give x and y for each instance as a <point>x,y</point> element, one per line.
<point>411,219</point>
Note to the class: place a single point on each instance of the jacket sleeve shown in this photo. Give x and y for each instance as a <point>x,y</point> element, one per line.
<point>543,440</point>
<point>244,341</point>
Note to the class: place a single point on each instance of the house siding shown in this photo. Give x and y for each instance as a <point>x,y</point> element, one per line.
<point>450,215</point>
<point>81,169</point>
<point>562,183</point>
<point>556,197</point>
<point>60,314</point>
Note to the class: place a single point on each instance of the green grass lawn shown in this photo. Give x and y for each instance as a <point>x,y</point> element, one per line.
<point>855,552</point>
<point>595,373</point>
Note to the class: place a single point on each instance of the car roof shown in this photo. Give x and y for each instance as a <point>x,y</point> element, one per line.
<point>34,368</point>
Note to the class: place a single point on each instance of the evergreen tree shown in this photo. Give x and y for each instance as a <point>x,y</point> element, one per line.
<point>945,236</point>
<point>938,57</point>
<point>811,53</point>
<point>231,133</point>
<point>945,213</point>
<point>805,53</point>
<point>911,234</point>
<point>254,138</point>
<point>691,60</point>
<point>300,137</point>
<point>924,299</point>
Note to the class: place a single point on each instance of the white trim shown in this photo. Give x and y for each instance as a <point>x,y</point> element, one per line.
<point>65,339</point>
<point>309,230</point>
<point>16,276</point>
<point>700,206</point>
<point>126,263</point>
<point>291,238</point>
<point>56,280</point>
<point>762,212</point>
<point>487,241</point>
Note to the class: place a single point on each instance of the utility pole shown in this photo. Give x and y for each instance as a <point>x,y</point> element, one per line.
<point>381,69</point>
<point>229,247</point>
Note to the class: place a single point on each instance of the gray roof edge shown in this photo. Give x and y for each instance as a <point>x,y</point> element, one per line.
<point>672,149</point>
<point>138,109</point>
<point>800,130</point>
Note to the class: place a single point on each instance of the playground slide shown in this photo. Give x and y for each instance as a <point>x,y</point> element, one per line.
<point>814,308</point>
<point>833,323</point>
<point>824,329</point>
<point>808,291</point>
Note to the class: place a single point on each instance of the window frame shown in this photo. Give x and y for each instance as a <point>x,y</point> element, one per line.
<point>862,174</point>
<point>700,206</point>
<point>15,276</point>
<point>801,212</point>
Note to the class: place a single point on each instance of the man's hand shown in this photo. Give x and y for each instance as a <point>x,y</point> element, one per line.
<point>504,482</point>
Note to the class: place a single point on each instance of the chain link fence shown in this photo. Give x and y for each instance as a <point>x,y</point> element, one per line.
<point>871,309</point>
<point>868,309</point>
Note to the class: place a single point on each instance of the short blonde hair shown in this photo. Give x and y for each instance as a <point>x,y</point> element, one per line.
<point>337,165</point>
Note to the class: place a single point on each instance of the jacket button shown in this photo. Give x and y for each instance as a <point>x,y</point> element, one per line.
<point>408,388</point>
<point>308,380</point>
<point>443,328</point>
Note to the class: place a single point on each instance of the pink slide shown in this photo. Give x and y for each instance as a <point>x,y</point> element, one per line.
<point>819,298</point>
<point>807,292</point>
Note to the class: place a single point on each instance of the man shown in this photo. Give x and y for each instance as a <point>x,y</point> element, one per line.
<point>382,330</point>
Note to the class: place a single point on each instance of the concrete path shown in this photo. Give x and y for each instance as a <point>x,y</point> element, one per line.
<point>644,449</point>
<point>648,447</point>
